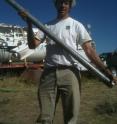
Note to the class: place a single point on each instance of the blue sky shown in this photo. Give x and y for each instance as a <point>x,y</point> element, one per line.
<point>100,14</point>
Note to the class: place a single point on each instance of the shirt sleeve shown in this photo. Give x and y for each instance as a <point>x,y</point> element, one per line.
<point>83,35</point>
<point>39,35</point>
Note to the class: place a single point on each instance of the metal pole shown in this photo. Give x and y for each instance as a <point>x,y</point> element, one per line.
<point>69,49</point>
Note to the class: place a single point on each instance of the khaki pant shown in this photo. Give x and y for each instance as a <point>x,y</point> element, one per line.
<point>63,83</point>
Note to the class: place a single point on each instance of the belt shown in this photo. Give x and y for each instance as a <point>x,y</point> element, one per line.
<point>60,67</point>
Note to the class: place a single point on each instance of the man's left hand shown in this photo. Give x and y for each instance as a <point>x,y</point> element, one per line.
<point>115,80</point>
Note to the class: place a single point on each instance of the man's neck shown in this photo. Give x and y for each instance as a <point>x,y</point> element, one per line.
<point>62,17</point>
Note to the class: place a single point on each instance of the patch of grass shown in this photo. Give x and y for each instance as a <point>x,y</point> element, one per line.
<point>107,107</point>
<point>98,102</point>
<point>4,101</point>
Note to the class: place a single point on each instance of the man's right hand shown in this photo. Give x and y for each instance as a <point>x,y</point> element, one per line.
<point>23,15</point>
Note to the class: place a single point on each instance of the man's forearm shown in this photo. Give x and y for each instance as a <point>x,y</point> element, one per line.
<point>30,36</point>
<point>94,57</point>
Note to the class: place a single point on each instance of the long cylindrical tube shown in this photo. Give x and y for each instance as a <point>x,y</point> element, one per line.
<point>74,53</point>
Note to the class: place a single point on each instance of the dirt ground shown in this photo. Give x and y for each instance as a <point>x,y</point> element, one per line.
<point>19,104</point>
<point>18,99</point>
<point>21,107</point>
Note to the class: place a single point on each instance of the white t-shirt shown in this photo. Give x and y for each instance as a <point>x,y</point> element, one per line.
<point>72,33</point>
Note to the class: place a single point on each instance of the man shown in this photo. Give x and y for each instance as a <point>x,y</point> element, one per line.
<point>60,77</point>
